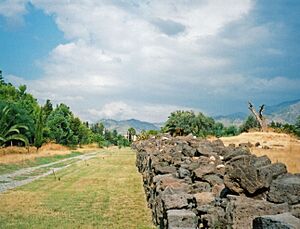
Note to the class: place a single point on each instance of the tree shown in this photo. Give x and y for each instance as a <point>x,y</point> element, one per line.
<point>181,123</point>
<point>39,126</point>
<point>250,123</point>
<point>261,120</point>
<point>59,126</point>
<point>131,133</point>
<point>47,108</point>
<point>10,132</point>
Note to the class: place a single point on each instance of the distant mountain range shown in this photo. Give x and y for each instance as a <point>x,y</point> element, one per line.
<point>123,125</point>
<point>285,112</point>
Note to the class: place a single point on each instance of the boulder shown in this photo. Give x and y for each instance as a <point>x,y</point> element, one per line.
<point>181,219</point>
<point>249,174</point>
<point>285,188</point>
<point>280,221</point>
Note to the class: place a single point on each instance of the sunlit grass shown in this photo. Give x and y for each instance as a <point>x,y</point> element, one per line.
<point>104,192</point>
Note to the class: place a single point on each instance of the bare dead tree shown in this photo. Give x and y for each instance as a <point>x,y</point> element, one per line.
<point>259,116</point>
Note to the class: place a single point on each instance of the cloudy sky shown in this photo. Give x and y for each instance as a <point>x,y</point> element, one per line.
<point>145,58</point>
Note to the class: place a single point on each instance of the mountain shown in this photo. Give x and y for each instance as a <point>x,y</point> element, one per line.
<point>235,119</point>
<point>123,125</point>
<point>285,112</point>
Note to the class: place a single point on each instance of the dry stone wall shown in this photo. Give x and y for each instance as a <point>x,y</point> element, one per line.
<point>192,183</point>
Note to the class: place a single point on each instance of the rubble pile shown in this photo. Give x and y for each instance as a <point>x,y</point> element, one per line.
<point>194,183</point>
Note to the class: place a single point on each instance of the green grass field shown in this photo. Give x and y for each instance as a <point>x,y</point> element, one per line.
<point>104,192</point>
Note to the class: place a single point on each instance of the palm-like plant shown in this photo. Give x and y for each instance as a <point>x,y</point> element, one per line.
<point>8,130</point>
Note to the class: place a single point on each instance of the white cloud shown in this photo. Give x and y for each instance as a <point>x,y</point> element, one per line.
<point>120,110</point>
<point>142,59</point>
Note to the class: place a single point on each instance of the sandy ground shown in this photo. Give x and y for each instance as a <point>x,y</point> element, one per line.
<point>278,147</point>
<point>20,154</point>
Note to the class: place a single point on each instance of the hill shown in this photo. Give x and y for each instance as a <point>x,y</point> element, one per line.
<point>279,147</point>
<point>123,125</point>
<point>285,112</point>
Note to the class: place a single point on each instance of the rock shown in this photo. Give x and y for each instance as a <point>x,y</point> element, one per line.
<point>285,188</point>
<point>235,152</point>
<point>261,161</point>
<point>213,179</point>
<point>214,218</point>
<point>177,185</point>
<point>217,189</point>
<point>189,183</point>
<point>280,221</point>
<point>182,173</point>
<point>241,211</point>
<point>178,201</point>
<point>203,198</point>
<point>164,169</point>
<point>205,150</point>
<point>181,219</point>
<point>203,170</point>
<point>250,174</point>
<point>269,172</point>
<point>295,210</point>
<point>200,186</point>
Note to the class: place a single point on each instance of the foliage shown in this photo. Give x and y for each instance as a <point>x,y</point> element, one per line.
<point>35,124</point>
<point>287,128</point>
<point>10,131</point>
<point>105,138</point>
<point>187,122</point>
<point>250,123</point>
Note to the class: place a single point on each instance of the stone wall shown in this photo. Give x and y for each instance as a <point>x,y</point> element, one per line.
<point>193,183</point>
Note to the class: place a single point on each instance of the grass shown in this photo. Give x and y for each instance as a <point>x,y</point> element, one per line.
<point>8,168</point>
<point>105,192</point>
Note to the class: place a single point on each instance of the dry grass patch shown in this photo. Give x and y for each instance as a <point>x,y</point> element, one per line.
<point>9,155</point>
<point>278,147</point>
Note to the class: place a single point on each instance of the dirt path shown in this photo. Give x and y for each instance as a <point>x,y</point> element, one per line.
<point>27,175</point>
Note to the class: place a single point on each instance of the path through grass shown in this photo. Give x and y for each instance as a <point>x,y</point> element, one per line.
<point>104,192</point>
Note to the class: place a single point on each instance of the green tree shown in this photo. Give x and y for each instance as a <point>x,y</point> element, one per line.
<point>231,131</point>
<point>59,125</point>
<point>187,122</point>
<point>250,123</point>
<point>39,127</point>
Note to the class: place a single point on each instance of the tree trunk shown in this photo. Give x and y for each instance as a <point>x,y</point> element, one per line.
<point>259,117</point>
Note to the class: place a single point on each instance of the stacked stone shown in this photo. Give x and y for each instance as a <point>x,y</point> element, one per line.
<point>195,183</point>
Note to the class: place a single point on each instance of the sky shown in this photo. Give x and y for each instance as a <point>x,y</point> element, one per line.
<point>143,59</point>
